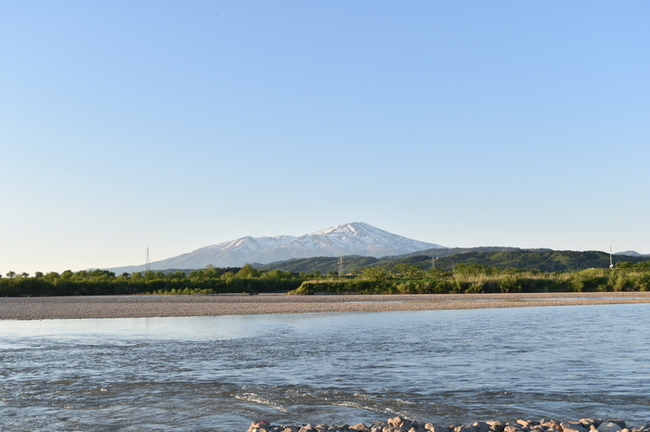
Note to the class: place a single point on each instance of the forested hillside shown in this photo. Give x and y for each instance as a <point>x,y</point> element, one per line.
<point>523,259</point>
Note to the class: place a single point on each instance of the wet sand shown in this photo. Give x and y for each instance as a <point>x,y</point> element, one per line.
<point>39,308</point>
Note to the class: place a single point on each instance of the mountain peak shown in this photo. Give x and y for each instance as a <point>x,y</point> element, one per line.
<point>352,227</point>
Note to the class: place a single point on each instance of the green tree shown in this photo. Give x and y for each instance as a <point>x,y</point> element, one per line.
<point>410,271</point>
<point>51,276</point>
<point>177,275</point>
<point>376,274</point>
<point>277,274</point>
<point>248,272</point>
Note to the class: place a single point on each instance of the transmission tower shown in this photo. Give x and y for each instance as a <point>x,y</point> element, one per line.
<point>147,264</point>
<point>340,266</point>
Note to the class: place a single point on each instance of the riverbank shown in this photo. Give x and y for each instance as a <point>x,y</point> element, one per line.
<point>39,308</point>
<point>400,424</point>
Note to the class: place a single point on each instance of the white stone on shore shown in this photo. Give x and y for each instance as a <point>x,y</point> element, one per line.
<point>609,427</point>
<point>573,427</point>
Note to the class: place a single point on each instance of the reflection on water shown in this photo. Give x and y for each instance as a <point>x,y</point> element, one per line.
<point>221,373</point>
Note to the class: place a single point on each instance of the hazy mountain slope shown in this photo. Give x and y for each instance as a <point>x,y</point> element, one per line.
<point>632,253</point>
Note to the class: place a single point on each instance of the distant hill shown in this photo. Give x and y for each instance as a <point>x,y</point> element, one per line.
<point>546,260</point>
<point>539,259</point>
<point>632,253</point>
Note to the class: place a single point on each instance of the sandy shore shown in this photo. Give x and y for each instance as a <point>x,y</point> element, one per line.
<point>38,308</point>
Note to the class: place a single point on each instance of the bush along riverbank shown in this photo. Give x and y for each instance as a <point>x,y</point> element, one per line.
<point>401,424</point>
<point>479,279</point>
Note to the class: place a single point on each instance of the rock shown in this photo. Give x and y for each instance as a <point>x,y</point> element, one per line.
<point>526,423</point>
<point>396,421</point>
<point>621,423</point>
<point>465,428</point>
<point>550,424</point>
<point>481,426</point>
<point>609,426</point>
<point>359,427</point>
<point>308,428</point>
<point>496,426</point>
<point>587,422</point>
<point>512,428</point>
<point>437,428</point>
<point>259,426</point>
<point>414,426</point>
<point>407,424</point>
<point>572,427</point>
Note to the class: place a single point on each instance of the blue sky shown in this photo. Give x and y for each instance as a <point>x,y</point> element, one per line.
<point>175,125</point>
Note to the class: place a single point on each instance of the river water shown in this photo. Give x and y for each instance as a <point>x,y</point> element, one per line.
<point>221,373</point>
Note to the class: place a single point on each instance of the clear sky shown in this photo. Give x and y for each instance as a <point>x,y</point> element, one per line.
<point>175,125</point>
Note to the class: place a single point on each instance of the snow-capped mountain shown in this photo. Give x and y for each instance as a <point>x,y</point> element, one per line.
<point>356,238</point>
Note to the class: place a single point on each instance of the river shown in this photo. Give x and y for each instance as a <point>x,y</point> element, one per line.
<point>221,373</point>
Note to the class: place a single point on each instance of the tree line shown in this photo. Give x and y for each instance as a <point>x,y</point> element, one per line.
<point>402,278</point>
<point>210,280</point>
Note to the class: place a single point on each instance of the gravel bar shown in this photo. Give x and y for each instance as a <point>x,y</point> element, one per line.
<point>144,306</point>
